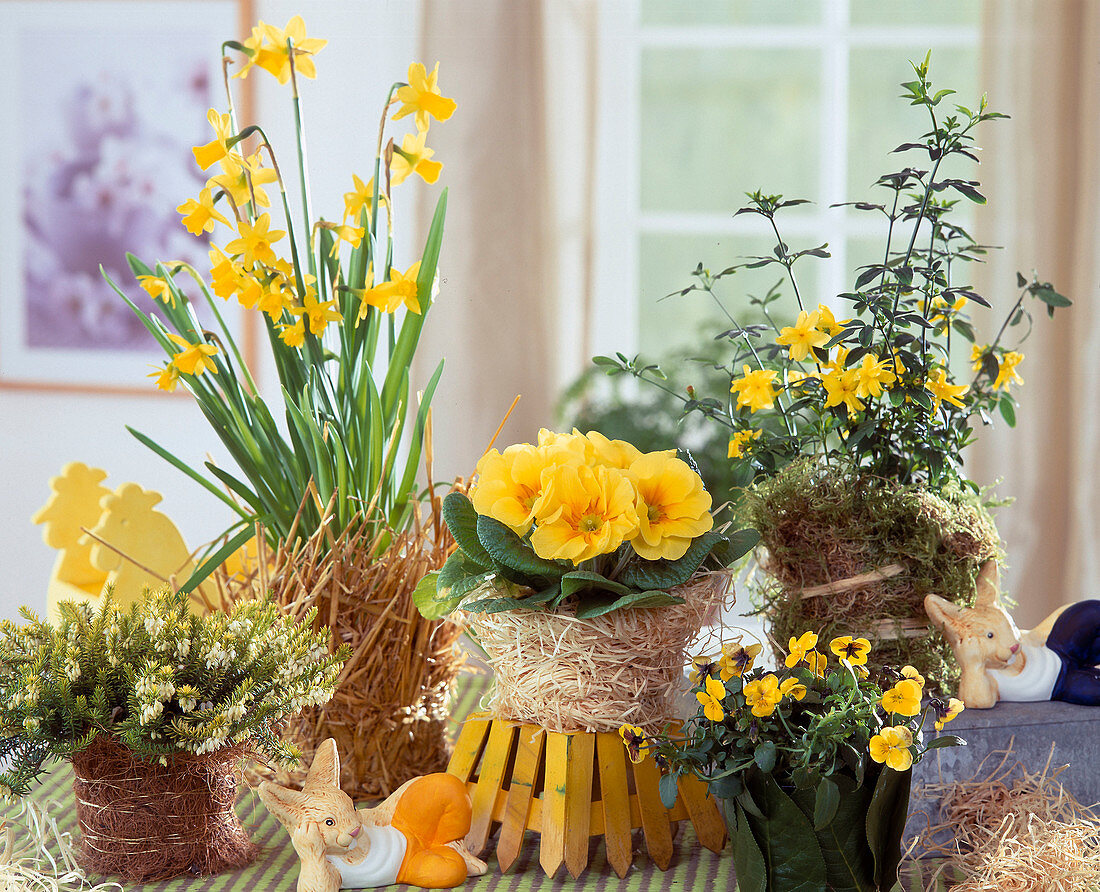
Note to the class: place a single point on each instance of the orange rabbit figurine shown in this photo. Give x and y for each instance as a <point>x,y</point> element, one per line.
<point>415,836</point>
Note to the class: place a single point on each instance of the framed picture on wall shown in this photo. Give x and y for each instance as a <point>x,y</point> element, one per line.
<point>104,100</point>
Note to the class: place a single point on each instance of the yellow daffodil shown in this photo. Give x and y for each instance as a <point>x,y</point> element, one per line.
<point>216,149</point>
<point>583,512</point>
<point>911,673</point>
<point>854,650</point>
<point>616,453</point>
<point>225,276</point>
<point>194,359</point>
<point>317,314</point>
<point>903,698</point>
<point>353,235</point>
<point>414,157</point>
<point>871,376</point>
<point>802,336</point>
<point>842,389</point>
<point>508,485</point>
<point>739,441</point>
<point>737,659</point>
<point>634,740</point>
<point>199,216</point>
<point>792,687</point>
<point>293,335</point>
<point>1007,373</point>
<point>268,46</point>
<point>421,97</point>
<point>763,695</point>
<point>891,745</point>
<point>359,198</point>
<point>702,668</point>
<point>268,299</point>
<point>711,699</point>
<point>167,378</point>
<point>818,663</point>
<point>799,647</point>
<point>826,321</point>
<point>158,289</point>
<point>387,296</point>
<point>977,353</point>
<point>945,714</point>
<point>241,179</point>
<point>673,506</point>
<point>256,239</point>
<point>942,391</point>
<point>754,389</point>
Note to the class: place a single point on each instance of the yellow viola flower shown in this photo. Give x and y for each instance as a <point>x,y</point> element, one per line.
<point>293,335</point>
<point>421,97</point>
<point>241,178</point>
<point>702,668</point>
<point>942,391</point>
<point>739,441</point>
<point>414,157</point>
<point>800,647</point>
<point>199,216</point>
<point>891,745</point>
<point>268,45</point>
<point>854,650</point>
<point>616,453</point>
<point>945,714</point>
<point>634,740</point>
<point>673,507</point>
<point>792,687</point>
<point>826,321</point>
<point>167,378</point>
<point>711,700</point>
<point>911,673</point>
<point>977,353</point>
<point>754,389</point>
<point>389,295</point>
<point>509,484</point>
<point>802,336</point>
<point>216,149</point>
<point>842,389</point>
<point>872,376</point>
<point>158,289</point>
<point>903,698</point>
<point>583,512</point>
<point>194,359</point>
<point>818,663</point>
<point>317,314</point>
<point>359,198</point>
<point>737,659</point>
<point>763,695</point>
<point>256,239</point>
<point>1007,373</point>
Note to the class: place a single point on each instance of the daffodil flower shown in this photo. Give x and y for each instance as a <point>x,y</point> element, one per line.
<point>891,745</point>
<point>158,288</point>
<point>241,179</point>
<point>800,647</point>
<point>194,359</point>
<point>268,48</point>
<point>903,698</point>
<point>414,157</point>
<point>225,276</point>
<point>711,700</point>
<point>853,650</point>
<point>634,740</point>
<point>293,335</point>
<point>673,507</point>
<point>400,288</point>
<point>317,314</point>
<point>167,378</point>
<point>763,695</point>
<point>199,216</point>
<point>802,336</point>
<point>359,198</point>
<point>256,239</point>
<point>421,97</point>
<point>216,149</point>
<point>755,390</point>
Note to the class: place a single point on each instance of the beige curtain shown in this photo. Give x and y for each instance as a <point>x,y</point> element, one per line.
<point>1041,171</point>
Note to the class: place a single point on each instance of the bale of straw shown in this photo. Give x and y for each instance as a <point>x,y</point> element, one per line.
<point>568,674</point>
<point>145,821</point>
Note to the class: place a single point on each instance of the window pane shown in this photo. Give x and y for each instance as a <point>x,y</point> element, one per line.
<point>730,12</point>
<point>718,123</point>
<point>910,15</point>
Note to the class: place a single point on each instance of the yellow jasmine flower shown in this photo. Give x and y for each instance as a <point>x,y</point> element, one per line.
<point>903,698</point>
<point>318,314</point>
<point>854,650</point>
<point>737,659</point>
<point>167,378</point>
<point>800,647</point>
<point>199,216</point>
<point>842,389</point>
<point>891,745</point>
<point>256,239</point>
<point>1007,373</point>
<point>711,700</point>
<point>194,359</point>
<point>293,335</point>
<point>792,687</point>
<point>802,336</point>
<point>871,376</point>
<point>945,714</point>
<point>414,157</point>
<point>976,355</point>
<point>911,672</point>
<point>388,296</point>
<point>634,740</point>
<point>583,512</point>
<point>509,484</point>
<point>836,364</point>
<point>216,149</point>
<point>818,663</point>
<point>942,310</point>
<point>754,389</point>
<point>274,57</point>
<point>942,391</point>
<point>617,453</point>
<point>672,504</point>
<point>158,289</point>
<point>421,97</point>
<point>739,441</point>
<point>360,197</point>
<point>826,321</point>
<point>242,177</point>
<point>702,668</point>
<point>763,695</point>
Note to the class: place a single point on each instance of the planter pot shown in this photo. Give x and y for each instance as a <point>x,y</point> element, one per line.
<point>145,821</point>
<point>778,846</point>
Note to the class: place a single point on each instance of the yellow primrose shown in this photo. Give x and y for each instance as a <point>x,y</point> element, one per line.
<point>216,149</point>
<point>702,668</point>
<point>194,359</point>
<point>577,444</point>
<point>800,647</point>
<point>802,336</point>
<point>634,740</point>
<point>616,453</point>
<point>737,659</point>
<point>871,376</point>
<point>167,378</point>
<point>256,239</point>
<point>911,673</point>
<point>293,335</point>
<point>274,56</point>
<point>509,483</point>
<point>199,216</point>
<point>792,687</point>
<point>891,745</point>
<point>241,178</point>
<point>942,391</point>
<point>673,506</point>
<point>754,389</point>
<point>763,695</point>
<point>1007,373</point>
<point>711,700</point>
<point>903,698</point>
<point>414,157</point>
<point>854,650</point>
<point>739,441</point>
<point>359,198</point>
<point>583,512</point>
<point>948,713</point>
<point>842,389</point>
<point>158,289</point>
<point>421,96</point>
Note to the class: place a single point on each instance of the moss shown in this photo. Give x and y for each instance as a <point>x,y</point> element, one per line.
<point>820,526</point>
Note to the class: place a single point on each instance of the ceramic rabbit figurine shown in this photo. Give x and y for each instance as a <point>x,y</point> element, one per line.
<point>415,836</point>
<point>1057,660</point>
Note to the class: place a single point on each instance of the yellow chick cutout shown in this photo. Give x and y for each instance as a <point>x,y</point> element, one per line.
<point>110,538</point>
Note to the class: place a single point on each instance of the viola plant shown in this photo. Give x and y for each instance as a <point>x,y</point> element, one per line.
<point>812,761</point>
<point>340,305</point>
<point>577,518</point>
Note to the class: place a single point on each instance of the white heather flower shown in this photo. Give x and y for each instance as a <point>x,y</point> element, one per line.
<point>188,703</point>
<point>154,625</point>
<point>183,647</point>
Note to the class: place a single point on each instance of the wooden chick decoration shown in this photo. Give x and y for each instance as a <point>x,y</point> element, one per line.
<point>1057,660</point>
<point>415,836</point>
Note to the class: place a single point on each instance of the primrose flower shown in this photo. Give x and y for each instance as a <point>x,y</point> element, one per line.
<point>800,647</point>
<point>199,216</point>
<point>903,698</point>
<point>711,700</point>
<point>853,650</point>
<point>739,441</point>
<point>673,506</point>
<point>942,391</point>
<point>617,453</point>
<point>634,740</point>
<point>842,389</point>
<point>763,695</point>
<point>256,239</point>
<point>158,289</point>
<point>792,687</point>
<point>583,513</point>
<point>702,668</point>
<point>737,659</point>
<point>802,336</point>
<point>754,389</point>
<point>414,157</point>
<point>216,149</point>
<point>421,97</point>
<point>946,713</point>
<point>195,358</point>
<point>509,483</point>
<point>871,376</point>
<point>891,745</point>
<point>1007,374</point>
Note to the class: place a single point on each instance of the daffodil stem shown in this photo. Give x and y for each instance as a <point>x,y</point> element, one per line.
<point>299,132</point>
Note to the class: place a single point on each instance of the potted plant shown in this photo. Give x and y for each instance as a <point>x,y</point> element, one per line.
<point>156,708</point>
<point>328,465</point>
<point>812,763</point>
<point>848,434</point>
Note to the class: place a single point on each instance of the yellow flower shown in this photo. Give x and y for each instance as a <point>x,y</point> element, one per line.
<point>802,336</point>
<point>871,376</point>
<point>948,713</point>
<point>353,235</point>
<point>216,149</point>
<point>293,335</point>
<point>576,444</point>
<point>1007,373</point>
<point>158,289</point>
<point>739,441</point>
<point>616,453</point>
<point>167,378</point>
<point>942,391</point>
<point>903,698</point>
<point>318,314</point>
<point>754,389</point>
<point>942,311</point>
<point>509,484</point>
<point>254,244</point>
<point>388,296</point>
<point>911,672</point>
<point>826,321</point>
<point>891,745</point>
<point>225,276</point>
<point>976,355</point>
<point>673,506</point>
<point>792,687</point>
<point>421,97</point>
<point>274,57</point>
<point>359,198</point>
<point>711,700</point>
<point>702,668</point>
<point>414,157</point>
<point>199,216</point>
<point>817,663</point>
<point>854,650</point>
<point>737,659</point>
<point>634,740</point>
<point>242,177</point>
<point>583,512</point>
<point>842,389</point>
<point>800,647</point>
<point>763,695</point>
<point>194,359</point>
